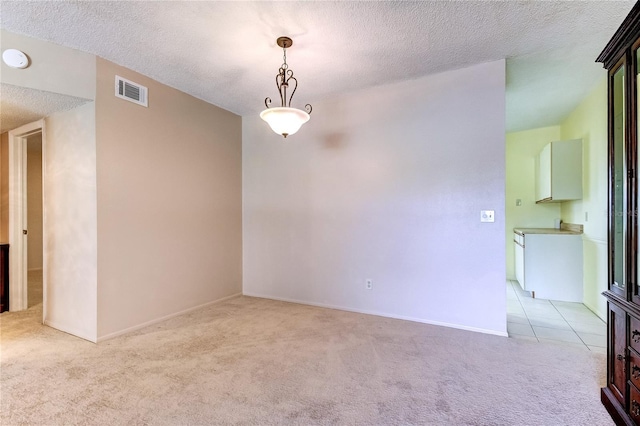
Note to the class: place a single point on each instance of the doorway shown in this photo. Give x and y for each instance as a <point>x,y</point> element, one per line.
<point>27,260</point>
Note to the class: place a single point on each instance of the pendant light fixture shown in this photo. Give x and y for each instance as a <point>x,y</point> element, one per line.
<point>285,120</point>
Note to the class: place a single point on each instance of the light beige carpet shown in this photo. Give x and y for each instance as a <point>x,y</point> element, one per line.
<point>260,362</point>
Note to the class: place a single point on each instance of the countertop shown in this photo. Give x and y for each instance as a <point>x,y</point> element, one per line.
<point>524,231</point>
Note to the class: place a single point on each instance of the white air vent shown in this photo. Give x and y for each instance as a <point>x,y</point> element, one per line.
<point>131,91</point>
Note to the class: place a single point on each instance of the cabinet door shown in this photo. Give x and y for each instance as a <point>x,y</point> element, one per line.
<point>4,278</point>
<point>618,175</point>
<point>566,169</point>
<point>617,352</point>
<point>543,176</point>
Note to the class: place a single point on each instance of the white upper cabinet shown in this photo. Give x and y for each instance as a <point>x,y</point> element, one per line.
<point>559,172</point>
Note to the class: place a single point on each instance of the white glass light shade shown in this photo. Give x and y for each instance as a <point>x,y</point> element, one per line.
<point>284,121</point>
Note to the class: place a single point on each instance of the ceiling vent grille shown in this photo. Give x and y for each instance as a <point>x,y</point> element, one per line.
<point>133,92</point>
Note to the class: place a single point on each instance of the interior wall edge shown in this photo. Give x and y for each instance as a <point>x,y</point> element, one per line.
<point>66,328</point>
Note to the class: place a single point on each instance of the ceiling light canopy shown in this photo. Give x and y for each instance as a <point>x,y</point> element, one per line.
<point>285,120</point>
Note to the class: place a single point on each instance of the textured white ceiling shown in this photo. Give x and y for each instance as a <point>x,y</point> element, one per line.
<point>225,52</point>
<point>20,105</point>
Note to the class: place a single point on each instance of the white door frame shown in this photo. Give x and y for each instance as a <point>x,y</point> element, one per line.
<point>18,216</point>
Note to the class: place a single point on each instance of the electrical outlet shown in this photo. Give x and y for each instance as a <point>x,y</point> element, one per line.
<point>487,215</point>
<point>369,284</point>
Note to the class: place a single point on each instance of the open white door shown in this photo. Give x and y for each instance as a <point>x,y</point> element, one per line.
<point>18,214</point>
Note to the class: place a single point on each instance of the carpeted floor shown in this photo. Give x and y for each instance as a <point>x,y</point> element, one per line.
<point>260,362</point>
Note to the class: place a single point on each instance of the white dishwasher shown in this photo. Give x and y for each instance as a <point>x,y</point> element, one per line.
<point>548,263</point>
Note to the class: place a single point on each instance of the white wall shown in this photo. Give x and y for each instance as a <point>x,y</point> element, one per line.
<point>385,183</point>
<point>69,157</point>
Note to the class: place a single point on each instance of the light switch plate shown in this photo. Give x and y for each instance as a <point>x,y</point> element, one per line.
<point>487,216</point>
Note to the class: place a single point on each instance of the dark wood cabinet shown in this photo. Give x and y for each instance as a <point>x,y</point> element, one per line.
<point>621,58</point>
<point>4,277</point>
<point>617,349</point>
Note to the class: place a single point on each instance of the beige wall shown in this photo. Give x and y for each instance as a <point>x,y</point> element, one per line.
<point>53,68</point>
<point>4,187</point>
<point>169,203</point>
<point>521,152</point>
<point>70,222</point>
<point>34,201</point>
<point>385,184</point>
<point>169,196</point>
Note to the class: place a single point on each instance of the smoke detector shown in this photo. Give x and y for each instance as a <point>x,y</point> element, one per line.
<point>15,58</point>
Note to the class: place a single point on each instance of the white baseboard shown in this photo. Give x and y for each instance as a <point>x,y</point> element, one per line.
<point>383,314</point>
<point>69,330</point>
<point>595,311</point>
<point>594,240</point>
<point>164,318</point>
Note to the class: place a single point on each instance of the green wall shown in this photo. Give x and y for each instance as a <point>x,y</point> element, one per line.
<point>589,123</point>
<point>521,151</point>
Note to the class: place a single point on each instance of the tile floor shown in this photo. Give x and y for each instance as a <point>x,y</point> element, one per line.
<point>550,321</point>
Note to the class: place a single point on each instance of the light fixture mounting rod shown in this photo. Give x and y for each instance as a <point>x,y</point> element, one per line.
<point>284,42</point>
